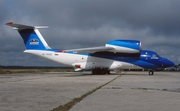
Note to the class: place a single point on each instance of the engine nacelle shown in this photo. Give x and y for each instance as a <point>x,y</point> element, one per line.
<point>125,46</point>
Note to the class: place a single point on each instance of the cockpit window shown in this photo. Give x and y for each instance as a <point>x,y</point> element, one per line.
<point>155,55</point>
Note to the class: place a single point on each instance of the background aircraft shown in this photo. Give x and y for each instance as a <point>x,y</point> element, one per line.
<point>115,55</point>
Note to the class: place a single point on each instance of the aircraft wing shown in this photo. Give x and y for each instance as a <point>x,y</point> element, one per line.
<point>90,50</point>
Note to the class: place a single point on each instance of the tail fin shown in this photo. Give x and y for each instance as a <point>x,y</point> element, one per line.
<point>31,36</point>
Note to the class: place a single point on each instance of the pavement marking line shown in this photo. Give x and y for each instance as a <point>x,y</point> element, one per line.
<point>70,104</point>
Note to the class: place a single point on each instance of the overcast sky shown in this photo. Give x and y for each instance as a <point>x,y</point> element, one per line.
<point>90,23</point>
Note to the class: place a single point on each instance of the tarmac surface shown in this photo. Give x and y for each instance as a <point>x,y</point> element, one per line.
<point>126,92</point>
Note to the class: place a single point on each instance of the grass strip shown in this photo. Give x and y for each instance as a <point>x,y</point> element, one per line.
<point>69,105</point>
<point>11,71</point>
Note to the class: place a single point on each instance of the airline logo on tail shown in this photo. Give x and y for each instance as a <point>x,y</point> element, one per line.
<point>34,42</point>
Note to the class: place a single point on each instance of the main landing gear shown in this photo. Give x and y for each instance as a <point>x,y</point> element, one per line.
<point>100,71</point>
<point>151,72</point>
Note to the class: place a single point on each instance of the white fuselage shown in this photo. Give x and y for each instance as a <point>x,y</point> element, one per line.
<point>84,61</point>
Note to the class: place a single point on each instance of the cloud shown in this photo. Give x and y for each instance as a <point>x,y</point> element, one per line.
<point>81,23</point>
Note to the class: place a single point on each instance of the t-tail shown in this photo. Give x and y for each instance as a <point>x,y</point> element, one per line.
<point>33,39</point>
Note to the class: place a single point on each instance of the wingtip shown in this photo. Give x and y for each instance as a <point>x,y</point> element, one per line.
<point>9,23</point>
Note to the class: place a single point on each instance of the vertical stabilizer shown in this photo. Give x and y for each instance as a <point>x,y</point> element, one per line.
<point>32,38</point>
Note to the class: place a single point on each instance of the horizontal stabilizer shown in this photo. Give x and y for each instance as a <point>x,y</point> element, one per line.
<point>21,27</point>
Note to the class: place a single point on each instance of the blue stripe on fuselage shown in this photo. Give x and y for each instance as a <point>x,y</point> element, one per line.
<point>139,61</point>
<point>136,59</point>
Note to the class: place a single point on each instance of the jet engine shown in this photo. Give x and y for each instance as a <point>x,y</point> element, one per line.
<point>125,46</point>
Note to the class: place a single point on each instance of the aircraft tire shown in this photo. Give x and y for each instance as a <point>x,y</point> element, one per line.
<point>94,71</point>
<point>108,72</point>
<point>151,72</point>
<point>100,71</point>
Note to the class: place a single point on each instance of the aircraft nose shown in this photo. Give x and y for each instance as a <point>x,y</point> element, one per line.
<point>168,63</point>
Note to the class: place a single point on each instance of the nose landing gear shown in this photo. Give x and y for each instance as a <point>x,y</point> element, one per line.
<point>151,72</point>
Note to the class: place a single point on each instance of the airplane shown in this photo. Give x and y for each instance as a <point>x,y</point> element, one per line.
<point>115,55</point>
